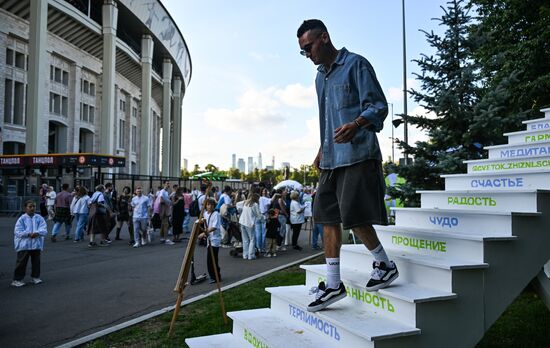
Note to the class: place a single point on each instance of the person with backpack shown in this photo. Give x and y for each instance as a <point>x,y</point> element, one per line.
<point>196,205</point>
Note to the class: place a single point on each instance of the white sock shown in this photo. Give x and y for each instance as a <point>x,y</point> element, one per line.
<point>333,272</point>
<point>380,254</point>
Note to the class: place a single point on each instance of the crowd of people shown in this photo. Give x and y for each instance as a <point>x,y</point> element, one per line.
<point>255,222</point>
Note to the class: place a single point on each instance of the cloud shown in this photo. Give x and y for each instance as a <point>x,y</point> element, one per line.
<point>297,95</point>
<point>261,109</point>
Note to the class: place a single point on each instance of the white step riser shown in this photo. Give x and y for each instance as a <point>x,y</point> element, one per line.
<point>299,315</point>
<point>542,124</point>
<point>501,166</point>
<point>499,182</point>
<point>435,278</point>
<point>248,337</point>
<point>374,302</point>
<point>513,151</point>
<point>529,137</point>
<point>455,222</point>
<point>440,246</point>
<point>518,202</point>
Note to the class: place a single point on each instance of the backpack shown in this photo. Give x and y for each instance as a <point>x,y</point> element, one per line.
<point>194,209</point>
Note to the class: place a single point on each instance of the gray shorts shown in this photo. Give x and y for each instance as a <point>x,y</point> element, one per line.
<point>352,195</point>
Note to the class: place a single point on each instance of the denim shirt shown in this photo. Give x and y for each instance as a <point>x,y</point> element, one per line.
<point>349,90</point>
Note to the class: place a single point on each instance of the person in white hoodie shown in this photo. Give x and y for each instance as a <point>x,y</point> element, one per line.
<point>80,210</point>
<point>29,232</point>
<point>249,216</point>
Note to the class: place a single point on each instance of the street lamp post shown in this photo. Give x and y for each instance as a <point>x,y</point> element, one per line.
<point>392,136</point>
<point>405,123</point>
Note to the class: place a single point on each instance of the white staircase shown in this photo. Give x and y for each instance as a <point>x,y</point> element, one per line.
<point>463,257</point>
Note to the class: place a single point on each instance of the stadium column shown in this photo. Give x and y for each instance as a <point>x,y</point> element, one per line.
<point>176,137</point>
<point>145,155</point>
<point>37,126</point>
<point>166,117</point>
<point>109,16</point>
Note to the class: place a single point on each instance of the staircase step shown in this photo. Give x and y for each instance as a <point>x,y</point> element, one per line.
<point>264,328</point>
<point>546,112</point>
<point>225,340</point>
<point>538,123</point>
<point>413,268</point>
<point>528,136</point>
<point>435,242</point>
<point>510,200</point>
<point>353,324</point>
<point>396,302</point>
<point>480,222</point>
<point>519,150</point>
<point>510,180</point>
<point>526,164</point>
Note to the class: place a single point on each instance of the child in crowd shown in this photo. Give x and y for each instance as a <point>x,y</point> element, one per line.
<point>272,226</point>
<point>30,230</point>
<point>212,233</point>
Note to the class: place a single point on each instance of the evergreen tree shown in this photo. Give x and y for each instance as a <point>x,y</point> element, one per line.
<point>450,91</point>
<point>512,39</point>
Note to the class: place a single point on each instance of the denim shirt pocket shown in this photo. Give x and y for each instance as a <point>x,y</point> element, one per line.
<point>343,96</point>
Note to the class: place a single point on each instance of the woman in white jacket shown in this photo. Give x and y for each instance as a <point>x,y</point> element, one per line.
<point>296,218</point>
<point>249,216</point>
<point>80,210</point>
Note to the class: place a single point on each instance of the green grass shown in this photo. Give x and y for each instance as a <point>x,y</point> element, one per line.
<point>202,317</point>
<point>526,323</point>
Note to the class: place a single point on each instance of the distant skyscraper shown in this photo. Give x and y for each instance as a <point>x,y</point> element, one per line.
<point>260,161</point>
<point>241,165</point>
<point>273,162</point>
<point>185,163</point>
<point>234,161</point>
<point>250,165</point>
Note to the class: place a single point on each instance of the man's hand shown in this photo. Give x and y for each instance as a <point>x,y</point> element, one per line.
<point>317,160</point>
<point>345,133</point>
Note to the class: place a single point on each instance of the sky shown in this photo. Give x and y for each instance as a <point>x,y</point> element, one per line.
<point>252,92</point>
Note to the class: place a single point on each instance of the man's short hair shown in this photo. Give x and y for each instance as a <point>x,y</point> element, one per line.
<point>311,24</point>
<point>227,189</point>
<point>65,187</point>
<point>107,185</point>
<point>30,201</point>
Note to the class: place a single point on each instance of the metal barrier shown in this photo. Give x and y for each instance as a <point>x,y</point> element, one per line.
<point>13,205</point>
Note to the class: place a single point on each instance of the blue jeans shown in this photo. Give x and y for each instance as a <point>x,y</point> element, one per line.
<point>81,220</point>
<point>317,231</point>
<point>259,231</point>
<point>248,242</point>
<point>57,227</point>
<point>186,222</point>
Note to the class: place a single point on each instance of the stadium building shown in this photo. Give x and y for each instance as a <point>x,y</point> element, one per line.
<point>93,77</point>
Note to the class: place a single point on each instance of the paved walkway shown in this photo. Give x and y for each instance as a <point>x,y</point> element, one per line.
<point>87,290</point>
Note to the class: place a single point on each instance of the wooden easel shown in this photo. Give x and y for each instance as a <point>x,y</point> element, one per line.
<point>182,282</point>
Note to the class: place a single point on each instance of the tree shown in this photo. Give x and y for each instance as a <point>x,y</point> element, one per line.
<point>211,168</point>
<point>449,90</point>
<point>512,51</point>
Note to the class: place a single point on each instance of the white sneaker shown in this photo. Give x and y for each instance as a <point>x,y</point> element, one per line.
<point>17,283</point>
<point>136,245</point>
<point>169,242</point>
<point>36,281</point>
<point>143,242</point>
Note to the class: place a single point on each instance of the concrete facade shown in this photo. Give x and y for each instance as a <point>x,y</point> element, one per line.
<point>82,86</point>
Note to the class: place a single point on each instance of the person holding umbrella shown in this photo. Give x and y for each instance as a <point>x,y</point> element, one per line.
<point>352,108</point>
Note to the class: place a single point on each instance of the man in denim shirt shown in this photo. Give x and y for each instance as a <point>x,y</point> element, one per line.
<point>352,107</point>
